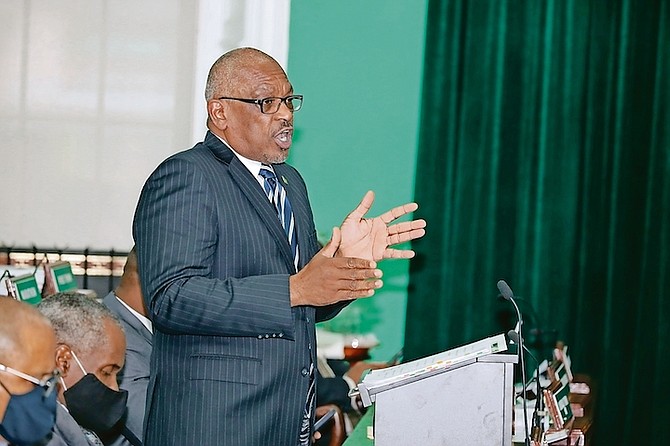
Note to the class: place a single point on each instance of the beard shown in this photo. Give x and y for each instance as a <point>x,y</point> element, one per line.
<point>276,158</point>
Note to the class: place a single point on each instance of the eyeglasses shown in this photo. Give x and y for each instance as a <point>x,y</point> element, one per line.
<point>271,105</point>
<point>49,384</point>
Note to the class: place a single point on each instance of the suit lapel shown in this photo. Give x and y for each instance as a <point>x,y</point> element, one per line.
<point>251,188</point>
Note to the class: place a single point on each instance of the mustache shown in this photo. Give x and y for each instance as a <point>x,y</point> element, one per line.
<point>284,127</point>
<point>285,123</point>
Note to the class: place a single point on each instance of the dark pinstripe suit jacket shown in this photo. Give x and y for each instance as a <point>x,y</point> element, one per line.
<point>230,358</point>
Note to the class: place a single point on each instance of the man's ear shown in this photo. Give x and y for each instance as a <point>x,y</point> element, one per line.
<point>216,112</point>
<point>63,359</point>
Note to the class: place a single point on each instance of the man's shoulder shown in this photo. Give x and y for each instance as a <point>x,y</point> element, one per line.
<point>196,154</point>
<point>66,431</point>
<point>186,163</point>
<point>131,324</point>
<point>109,300</point>
<point>116,307</point>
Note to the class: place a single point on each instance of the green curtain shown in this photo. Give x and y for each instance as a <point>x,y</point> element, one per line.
<point>544,160</point>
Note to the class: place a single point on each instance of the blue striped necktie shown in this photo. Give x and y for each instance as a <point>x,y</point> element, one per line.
<point>277,196</point>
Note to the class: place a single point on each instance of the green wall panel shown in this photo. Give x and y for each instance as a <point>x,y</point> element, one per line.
<point>359,65</point>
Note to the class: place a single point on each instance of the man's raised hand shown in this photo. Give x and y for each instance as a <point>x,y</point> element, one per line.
<point>372,238</point>
<point>327,279</point>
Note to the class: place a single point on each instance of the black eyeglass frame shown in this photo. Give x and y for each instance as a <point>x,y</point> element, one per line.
<point>261,102</point>
<point>49,384</point>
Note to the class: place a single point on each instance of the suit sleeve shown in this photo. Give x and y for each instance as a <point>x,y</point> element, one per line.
<point>176,234</point>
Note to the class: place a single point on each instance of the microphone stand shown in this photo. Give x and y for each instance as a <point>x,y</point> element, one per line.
<point>536,430</point>
<point>506,292</point>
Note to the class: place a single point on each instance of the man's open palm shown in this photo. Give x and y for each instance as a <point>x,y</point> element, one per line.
<point>372,238</point>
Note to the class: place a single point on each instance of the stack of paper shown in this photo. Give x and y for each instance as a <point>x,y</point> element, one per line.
<point>382,379</point>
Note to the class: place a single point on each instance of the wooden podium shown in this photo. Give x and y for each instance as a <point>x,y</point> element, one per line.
<point>459,397</point>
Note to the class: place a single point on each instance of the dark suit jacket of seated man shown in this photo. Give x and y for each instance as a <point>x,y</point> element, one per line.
<point>126,303</point>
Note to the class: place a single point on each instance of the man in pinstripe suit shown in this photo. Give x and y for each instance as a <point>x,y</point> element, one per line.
<point>233,301</point>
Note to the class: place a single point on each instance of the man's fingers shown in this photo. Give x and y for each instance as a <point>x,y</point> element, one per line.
<point>363,274</point>
<point>355,294</point>
<point>405,231</point>
<point>391,253</point>
<point>414,227</point>
<point>363,207</point>
<point>356,285</point>
<point>355,263</point>
<point>406,226</point>
<point>405,237</point>
<point>398,211</point>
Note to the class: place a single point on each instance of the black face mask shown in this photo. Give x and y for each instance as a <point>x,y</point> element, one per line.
<point>94,405</point>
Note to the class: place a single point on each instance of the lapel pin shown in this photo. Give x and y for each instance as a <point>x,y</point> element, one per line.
<point>284,180</point>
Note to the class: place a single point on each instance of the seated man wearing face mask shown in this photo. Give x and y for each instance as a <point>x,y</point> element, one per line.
<point>90,352</point>
<point>27,375</point>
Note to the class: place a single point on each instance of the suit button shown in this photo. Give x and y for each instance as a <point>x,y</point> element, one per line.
<point>260,336</point>
<point>274,335</point>
<point>267,336</point>
<point>304,371</point>
<point>281,335</point>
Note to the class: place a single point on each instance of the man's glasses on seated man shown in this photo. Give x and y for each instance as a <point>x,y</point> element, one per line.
<point>49,383</point>
<point>271,105</point>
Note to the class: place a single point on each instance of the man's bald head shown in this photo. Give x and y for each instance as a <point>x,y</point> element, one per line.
<point>20,324</point>
<point>27,344</point>
<point>228,72</point>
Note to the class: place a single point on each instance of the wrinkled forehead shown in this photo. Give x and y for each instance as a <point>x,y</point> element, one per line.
<point>261,80</point>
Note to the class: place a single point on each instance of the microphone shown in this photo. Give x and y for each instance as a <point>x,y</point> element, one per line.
<point>506,292</point>
<point>536,431</point>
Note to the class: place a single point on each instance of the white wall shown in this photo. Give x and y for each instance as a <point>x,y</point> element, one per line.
<point>95,93</point>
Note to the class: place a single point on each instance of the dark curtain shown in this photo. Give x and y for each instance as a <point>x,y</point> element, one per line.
<point>544,160</point>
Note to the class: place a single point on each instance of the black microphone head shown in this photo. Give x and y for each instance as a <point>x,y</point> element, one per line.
<point>513,336</point>
<point>505,290</point>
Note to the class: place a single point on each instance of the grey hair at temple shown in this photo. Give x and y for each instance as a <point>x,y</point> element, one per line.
<point>77,320</point>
